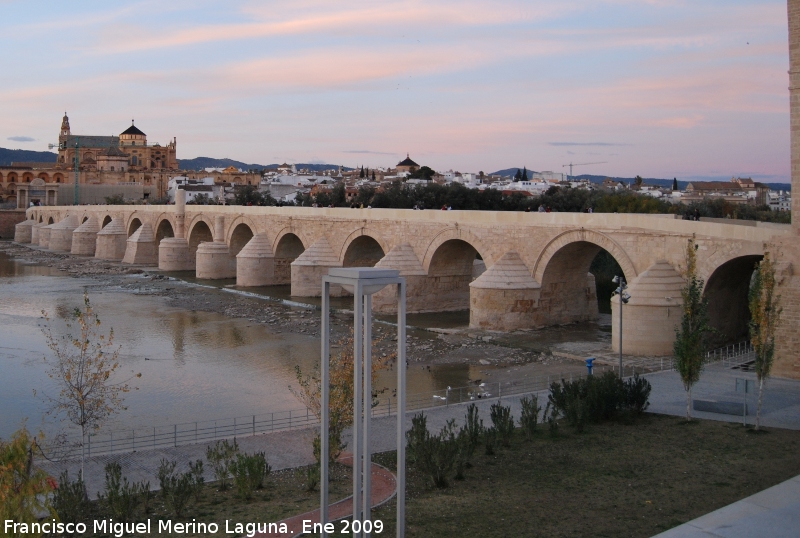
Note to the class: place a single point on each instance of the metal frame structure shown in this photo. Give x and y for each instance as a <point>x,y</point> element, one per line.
<point>363,282</point>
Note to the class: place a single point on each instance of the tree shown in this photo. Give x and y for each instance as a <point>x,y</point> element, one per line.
<point>341,390</point>
<point>82,366</point>
<point>250,195</point>
<point>524,175</point>
<point>675,184</point>
<point>518,175</point>
<point>690,335</point>
<point>361,174</point>
<point>765,314</point>
<point>24,489</point>
<point>639,181</point>
<point>373,175</point>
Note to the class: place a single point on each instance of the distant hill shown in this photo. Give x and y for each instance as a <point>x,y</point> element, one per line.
<point>201,163</point>
<point>8,156</point>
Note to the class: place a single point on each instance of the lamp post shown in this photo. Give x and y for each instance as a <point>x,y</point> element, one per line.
<point>363,282</point>
<point>624,297</point>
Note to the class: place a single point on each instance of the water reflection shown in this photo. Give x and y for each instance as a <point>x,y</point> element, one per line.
<point>195,365</point>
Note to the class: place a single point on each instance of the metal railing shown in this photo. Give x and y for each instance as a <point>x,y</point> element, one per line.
<point>188,433</point>
<point>731,355</point>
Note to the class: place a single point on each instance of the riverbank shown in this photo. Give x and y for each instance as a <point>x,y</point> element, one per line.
<point>493,357</point>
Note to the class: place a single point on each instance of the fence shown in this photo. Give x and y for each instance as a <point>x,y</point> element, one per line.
<point>175,435</point>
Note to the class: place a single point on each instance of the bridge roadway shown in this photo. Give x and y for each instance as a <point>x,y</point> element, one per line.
<point>512,270</point>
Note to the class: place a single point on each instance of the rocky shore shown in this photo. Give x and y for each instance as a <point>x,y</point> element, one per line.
<point>500,356</point>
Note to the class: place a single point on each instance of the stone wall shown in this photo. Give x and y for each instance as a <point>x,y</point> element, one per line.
<point>9,218</point>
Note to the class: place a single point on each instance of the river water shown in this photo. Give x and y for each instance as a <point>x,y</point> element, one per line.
<point>195,365</point>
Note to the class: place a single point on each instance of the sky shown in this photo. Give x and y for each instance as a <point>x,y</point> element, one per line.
<point>694,89</point>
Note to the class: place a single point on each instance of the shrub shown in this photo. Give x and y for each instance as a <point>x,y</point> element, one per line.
<point>551,417</point>
<point>529,417</point>
<point>490,440</point>
<point>198,480</point>
<point>120,497</point>
<point>503,423</point>
<point>335,446</point>
<point>176,489</point>
<point>312,477</point>
<point>637,394</point>
<point>473,426</point>
<point>70,500</point>
<point>433,455</point>
<point>249,472</point>
<point>221,457</point>
<point>145,494</point>
<point>598,398</point>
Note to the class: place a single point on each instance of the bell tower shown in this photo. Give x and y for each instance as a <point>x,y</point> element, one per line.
<point>64,130</point>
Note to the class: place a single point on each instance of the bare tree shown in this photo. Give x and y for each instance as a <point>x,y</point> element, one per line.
<point>765,314</point>
<point>689,347</point>
<point>83,365</point>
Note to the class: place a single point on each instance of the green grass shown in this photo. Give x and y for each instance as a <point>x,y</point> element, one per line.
<point>614,480</point>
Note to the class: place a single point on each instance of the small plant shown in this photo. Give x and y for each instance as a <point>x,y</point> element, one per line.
<point>176,490</point>
<point>637,394</point>
<point>249,472</point>
<point>529,417</point>
<point>503,423</point>
<point>335,446</point>
<point>473,426</point>
<point>145,494</point>
<point>120,497</point>
<point>198,480</point>
<point>433,455</point>
<point>490,441</point>
<point>312,477</point>
<point>551,417</point>
<point>70,500</point>
<point>221,457</point>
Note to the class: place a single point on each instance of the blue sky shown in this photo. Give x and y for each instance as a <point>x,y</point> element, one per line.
<point>659,88</point>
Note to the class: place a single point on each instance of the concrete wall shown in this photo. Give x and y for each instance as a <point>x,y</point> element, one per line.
<point>9,218</point>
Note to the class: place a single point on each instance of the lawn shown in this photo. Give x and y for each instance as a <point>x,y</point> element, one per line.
<point>614,480</point>
<point>617,479</point>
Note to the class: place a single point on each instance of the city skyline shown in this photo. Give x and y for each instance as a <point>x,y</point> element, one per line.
<point>654,88</point>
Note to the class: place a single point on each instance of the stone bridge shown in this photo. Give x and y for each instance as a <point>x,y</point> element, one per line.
<point>511,270</point>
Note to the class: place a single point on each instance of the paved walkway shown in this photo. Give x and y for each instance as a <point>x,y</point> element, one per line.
<point>773,513</point>
<point>384,487</point>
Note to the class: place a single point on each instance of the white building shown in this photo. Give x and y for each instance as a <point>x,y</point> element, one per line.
<point>779,200</point>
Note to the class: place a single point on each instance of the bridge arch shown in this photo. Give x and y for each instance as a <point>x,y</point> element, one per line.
<point>289,244</point>
<point>164,228</point>
<point>199,232</point>
<point>727,291</point>
<point>569,291</point>
<point>456,233</point>
<point>134,223</point>
<point>363,248</point>
<point>106,220</point>
<point>239,235</point>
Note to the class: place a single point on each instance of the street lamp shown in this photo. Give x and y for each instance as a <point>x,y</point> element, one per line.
<point>363,282</point>
<point>624,297</point>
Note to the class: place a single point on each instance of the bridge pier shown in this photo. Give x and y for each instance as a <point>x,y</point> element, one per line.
<point>214,260</point>
<point>173,252</point>
<point>111,241</point>
<point>61,234</point>
<point>35,232</point>
<point>140,247</point>
<point>255,263</point>
<point>44,235</point>
<point>84,238</point>
<point>505,297</point>
<point>654,311</point>
<point>309,268</point>
<point>403,259</point>
<point>23,231</point>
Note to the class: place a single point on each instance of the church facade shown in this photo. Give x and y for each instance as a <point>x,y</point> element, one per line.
<point>125,164</point>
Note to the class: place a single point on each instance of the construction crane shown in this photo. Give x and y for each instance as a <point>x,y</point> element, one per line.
<point>76,195</point>
<point>579,164</point>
